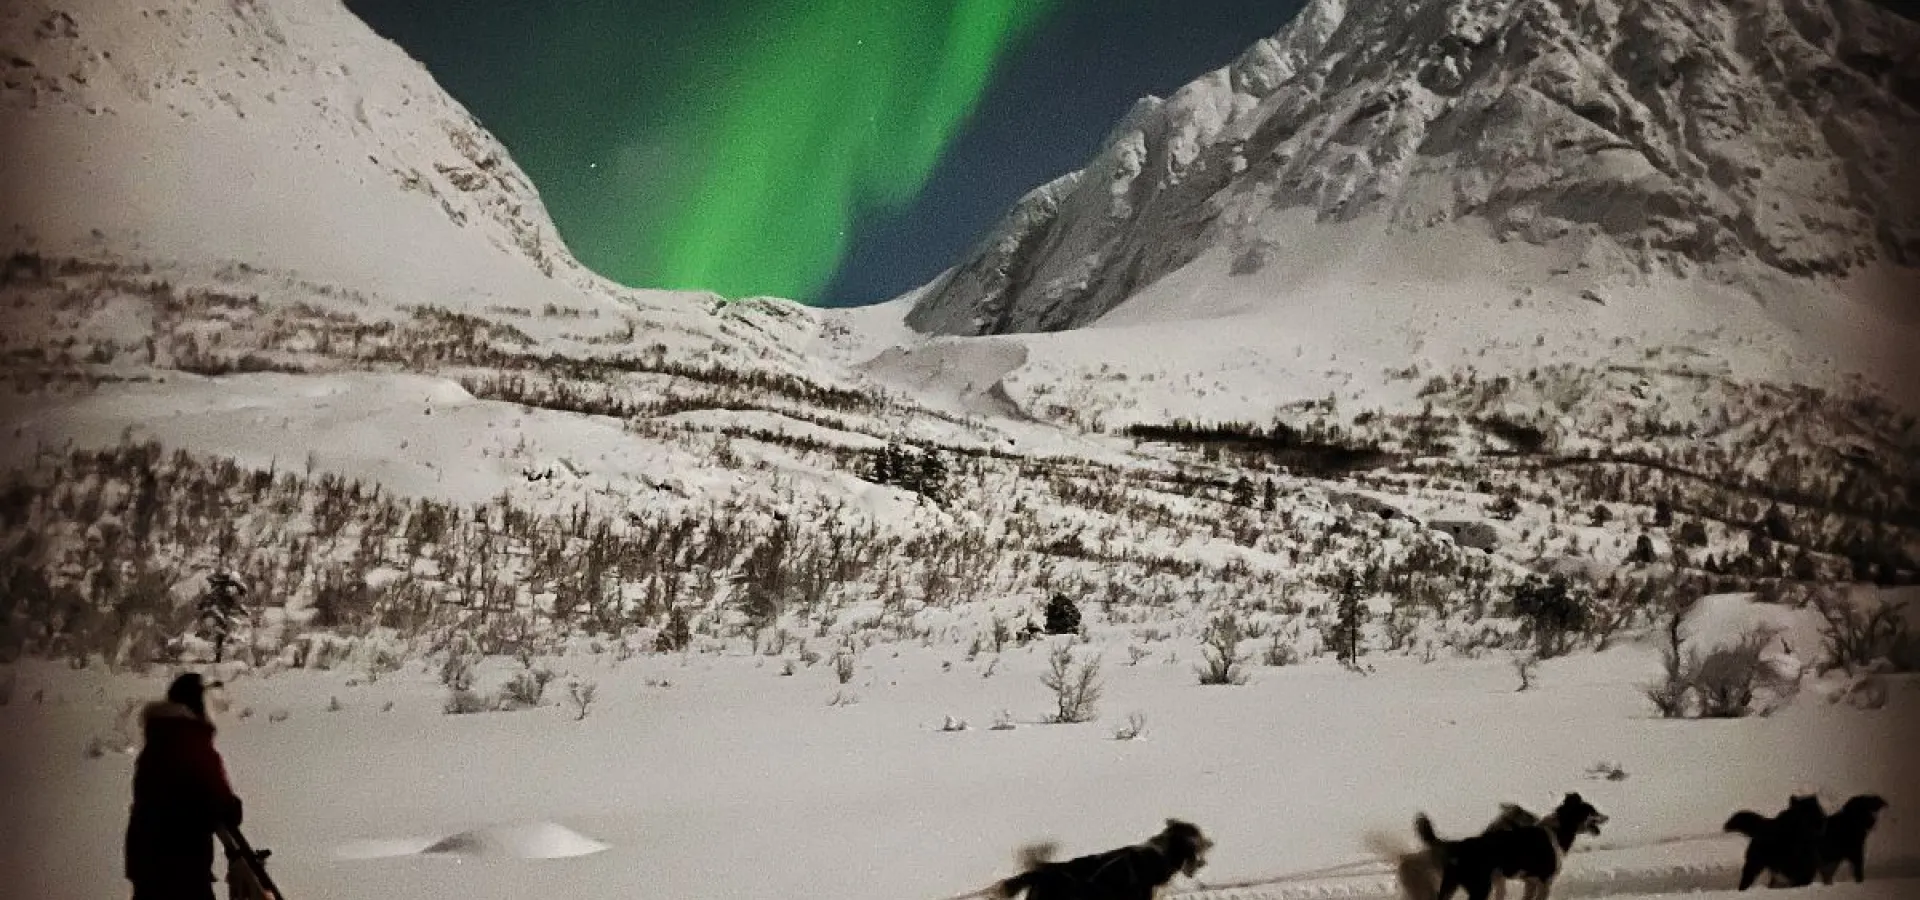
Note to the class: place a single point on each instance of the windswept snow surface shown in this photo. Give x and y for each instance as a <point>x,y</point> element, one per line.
<point>733,781</point>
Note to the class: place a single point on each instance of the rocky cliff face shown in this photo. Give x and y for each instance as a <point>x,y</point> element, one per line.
<point>1633,135</point>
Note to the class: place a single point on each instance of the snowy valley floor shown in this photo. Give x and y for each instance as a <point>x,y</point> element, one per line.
<point>733,781</point>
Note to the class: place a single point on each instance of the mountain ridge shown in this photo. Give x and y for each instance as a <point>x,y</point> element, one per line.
<point>1631,136</point>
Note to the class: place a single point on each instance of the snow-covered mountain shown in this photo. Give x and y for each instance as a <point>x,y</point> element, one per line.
<point>286,139</point>
<point>1759,143</point>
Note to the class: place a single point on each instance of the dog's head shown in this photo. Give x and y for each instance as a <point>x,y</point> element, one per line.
<point>1804,807</point>
<point>1584,817</point>
<point>1185,846</point>
<point>1865,807</point>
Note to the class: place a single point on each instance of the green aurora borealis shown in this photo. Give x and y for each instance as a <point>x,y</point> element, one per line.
<point>828,109</point>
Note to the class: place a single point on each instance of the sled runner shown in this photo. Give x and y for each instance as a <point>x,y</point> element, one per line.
<point>247,877</point>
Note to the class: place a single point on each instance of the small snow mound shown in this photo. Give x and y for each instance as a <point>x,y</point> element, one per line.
<point>447,393</point>
<point>536,840</point>
<point>1719,621</point>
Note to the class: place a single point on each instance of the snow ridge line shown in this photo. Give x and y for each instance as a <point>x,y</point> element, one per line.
<point>1615,881</point>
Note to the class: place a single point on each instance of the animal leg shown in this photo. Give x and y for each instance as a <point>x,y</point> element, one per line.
<point>1859,863</point>
<point>1750,872</point>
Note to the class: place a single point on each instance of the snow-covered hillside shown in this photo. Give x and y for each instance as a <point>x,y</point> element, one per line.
<point>282,149</point>
<point>554,582</point>
<point>1719,176</point>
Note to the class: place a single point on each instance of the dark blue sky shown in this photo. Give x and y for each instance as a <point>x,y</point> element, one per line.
<point>542,75</point>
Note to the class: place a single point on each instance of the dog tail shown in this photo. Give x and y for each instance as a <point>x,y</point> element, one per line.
<point>1423,826</point>
<point>1746,822</point>
<point>1416,869</point>
<point>1035,855</point>
<point>1028,858</point>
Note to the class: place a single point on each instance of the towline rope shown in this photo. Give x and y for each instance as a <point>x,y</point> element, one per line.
<point>1384,867</point>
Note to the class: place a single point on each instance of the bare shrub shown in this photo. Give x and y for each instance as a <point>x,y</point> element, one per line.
<point>1076,689</point>
<point>953,724</point>
<point>580,696</point>
<point>456,671</point>
<point>1525,664</point>
<point>464,702</point>
<point>1136,725</point>
<point>1136,653</point>
<point>843,665</point>
<point>1669,697</point>
<point>333,704</point>
<point>1002,721</point>
<point>1280,653</point>
<point>1221,659</point>
<point>525,690</point>
<point>1857,636</point>
<point>1726,681</point>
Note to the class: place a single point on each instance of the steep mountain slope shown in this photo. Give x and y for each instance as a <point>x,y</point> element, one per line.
<point>1624,136</point>
<point>281,138</point>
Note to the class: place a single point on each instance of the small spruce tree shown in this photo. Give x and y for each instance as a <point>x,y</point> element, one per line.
<point>220,609</point>
<point>1063,617</point>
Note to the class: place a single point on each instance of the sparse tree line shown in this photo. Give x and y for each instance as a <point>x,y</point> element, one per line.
<point>107,555</point>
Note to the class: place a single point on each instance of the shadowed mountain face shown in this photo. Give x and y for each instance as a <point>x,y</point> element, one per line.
<point>1627,136</point>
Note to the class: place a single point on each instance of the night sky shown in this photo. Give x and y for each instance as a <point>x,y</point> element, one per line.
<point>834,151</point>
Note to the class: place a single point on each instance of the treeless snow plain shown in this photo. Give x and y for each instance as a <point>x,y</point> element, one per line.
<point>715,775</point>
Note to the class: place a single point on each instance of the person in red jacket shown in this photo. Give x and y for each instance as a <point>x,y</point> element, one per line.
<point>180,798</point>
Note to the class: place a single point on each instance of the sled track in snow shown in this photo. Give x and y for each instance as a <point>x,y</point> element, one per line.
<point>1376,882</point>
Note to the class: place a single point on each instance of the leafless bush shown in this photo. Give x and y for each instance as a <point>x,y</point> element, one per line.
<point>1858,635</point>
<point>456,671</point>
<point>1002,721</point>
<point>1725,681</point>
<point>1221,659</point>
<point>843,666</point>
<point>463,702</point>
<point>1136,653</point>
<point>1525,663</point>
<point>525,690</point>
<point>953,724</point>
<point>1669,697</point>
<point>1280,653</point>
<point>1136,724</point>
<point>333,704</point>
<point>580,695</point>
<point>1076,689</point>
